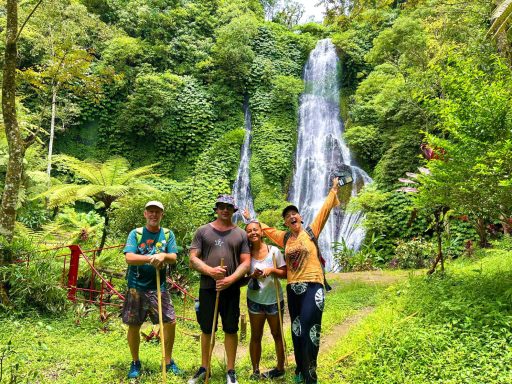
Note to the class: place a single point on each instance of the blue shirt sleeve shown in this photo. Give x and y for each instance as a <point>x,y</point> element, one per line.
<point>171,244</point>
<point>131,243</point>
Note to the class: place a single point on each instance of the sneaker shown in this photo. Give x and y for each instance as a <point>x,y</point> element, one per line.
<point>198,377</point>
<point>135,368</point>
<point>231,377</point>
<point>273,374</point>
<point>255,375</point>
<point>298,379</point>
<point>172,367</point>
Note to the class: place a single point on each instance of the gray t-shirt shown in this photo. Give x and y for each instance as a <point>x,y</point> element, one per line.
<point>213,245</point>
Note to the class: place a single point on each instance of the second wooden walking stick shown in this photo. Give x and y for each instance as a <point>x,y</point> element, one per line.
<point>276,283</point>
<point>161,323</point>
<point>212,338</point>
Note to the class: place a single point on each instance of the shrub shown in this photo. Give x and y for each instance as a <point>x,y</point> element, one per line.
<point>416,253</point>
<point>350,260</point>
<point>35,285</point>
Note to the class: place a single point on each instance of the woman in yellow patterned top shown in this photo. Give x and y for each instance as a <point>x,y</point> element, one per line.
<point>305,287</point>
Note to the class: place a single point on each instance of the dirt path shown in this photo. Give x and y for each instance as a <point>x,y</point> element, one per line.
<point>328,340</point>
<point>341,330</point>
<point>375,277</point>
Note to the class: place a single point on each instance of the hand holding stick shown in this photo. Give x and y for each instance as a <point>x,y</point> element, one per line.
<point>212,338</point>
<point>161,323</point>
<point>276,283</point>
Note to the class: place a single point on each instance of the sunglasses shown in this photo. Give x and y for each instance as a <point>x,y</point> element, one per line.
<point>222,206</point>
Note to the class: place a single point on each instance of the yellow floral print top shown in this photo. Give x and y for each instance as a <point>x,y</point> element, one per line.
<point>301,254</point>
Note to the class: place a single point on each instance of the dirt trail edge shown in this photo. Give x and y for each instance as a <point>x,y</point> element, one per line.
<point>341,330</point>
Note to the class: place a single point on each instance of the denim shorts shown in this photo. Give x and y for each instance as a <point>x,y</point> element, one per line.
<point>264,309</point>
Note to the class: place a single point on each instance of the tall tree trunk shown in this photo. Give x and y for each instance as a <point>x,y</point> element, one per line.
<point>52,133</point>
<point>439,232</point>
<point>481,229</point>
<point>15,141</point>
<point>104,234</point>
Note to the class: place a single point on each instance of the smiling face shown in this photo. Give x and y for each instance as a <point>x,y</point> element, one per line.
<point>224,211</point>
<point>153,217</point>
<point>293,221</point>
<point>254,232</point>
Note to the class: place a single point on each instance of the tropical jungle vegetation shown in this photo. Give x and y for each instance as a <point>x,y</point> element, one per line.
<point>107,104</point>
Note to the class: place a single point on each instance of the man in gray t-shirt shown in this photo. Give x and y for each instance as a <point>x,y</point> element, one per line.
<point>212,242</point>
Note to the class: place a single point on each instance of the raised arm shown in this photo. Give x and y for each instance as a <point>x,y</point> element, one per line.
<point>330,202</point>
<point>276,235</point>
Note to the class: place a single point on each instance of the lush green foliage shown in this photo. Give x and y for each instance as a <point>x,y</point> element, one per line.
<point>416,253</point>
<point>34,285</point>
<point>444,329</point>
<point>165,82</point>
<point>419,78</point>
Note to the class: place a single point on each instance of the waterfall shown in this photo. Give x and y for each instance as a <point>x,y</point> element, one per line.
<point>321,150</point>
<point>242,186</point>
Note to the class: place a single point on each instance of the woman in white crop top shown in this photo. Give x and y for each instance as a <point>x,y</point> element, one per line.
<point>262,299</point>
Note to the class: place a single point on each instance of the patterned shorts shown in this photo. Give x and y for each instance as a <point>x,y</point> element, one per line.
<point>140,304</point>
<point>263,309</point>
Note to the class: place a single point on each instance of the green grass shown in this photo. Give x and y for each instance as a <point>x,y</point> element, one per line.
<point>58,350</point>
<point>454,328</point>
<point>451,328</point>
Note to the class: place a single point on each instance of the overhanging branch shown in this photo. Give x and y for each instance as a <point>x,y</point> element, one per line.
<point>28,18</point>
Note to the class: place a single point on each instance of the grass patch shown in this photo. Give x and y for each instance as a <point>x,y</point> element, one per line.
<point>452,328</point>
<point>76,347</point>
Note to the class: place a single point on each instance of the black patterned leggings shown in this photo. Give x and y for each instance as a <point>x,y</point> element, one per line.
<point>306,305</point>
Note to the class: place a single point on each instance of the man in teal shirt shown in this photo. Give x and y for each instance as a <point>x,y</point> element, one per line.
<point>147,250</point>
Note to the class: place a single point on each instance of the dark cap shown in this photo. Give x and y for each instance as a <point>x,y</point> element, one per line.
<point>289,208</point>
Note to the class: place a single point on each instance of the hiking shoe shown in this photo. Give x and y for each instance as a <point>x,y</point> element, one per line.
<point>135,368</point>
<point>172,367</point>
<point>255,375</point>
<point>298,379</point>
<point>273,374</point>
<point>231,377</point>
<point>198,377</point>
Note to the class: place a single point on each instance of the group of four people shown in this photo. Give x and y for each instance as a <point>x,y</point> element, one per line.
<point>244,254</point>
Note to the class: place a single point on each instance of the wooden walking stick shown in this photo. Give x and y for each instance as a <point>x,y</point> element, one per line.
<point>212,338</point>
<point>276,283</point>
<point>161,323</point>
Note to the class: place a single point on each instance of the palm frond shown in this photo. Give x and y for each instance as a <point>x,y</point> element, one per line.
<point>114,168</point>
<point>88,170</point>
<point>60,194</point>
<point>116,191</point>
<point>138,173</point>
<point>90,190</point>
<point>38,177</point>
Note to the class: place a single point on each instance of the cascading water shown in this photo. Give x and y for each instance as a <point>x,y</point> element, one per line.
<point>242,187</point>
<point>321,150</point>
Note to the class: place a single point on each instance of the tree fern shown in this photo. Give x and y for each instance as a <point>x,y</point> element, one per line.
<point>99,183</point>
